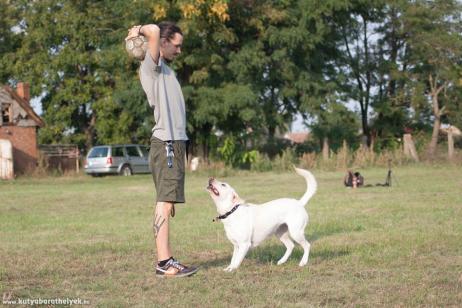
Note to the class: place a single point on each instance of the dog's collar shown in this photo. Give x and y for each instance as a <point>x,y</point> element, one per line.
<point>226,214</point>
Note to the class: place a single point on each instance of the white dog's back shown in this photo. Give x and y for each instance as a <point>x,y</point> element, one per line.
<point>267,217</point>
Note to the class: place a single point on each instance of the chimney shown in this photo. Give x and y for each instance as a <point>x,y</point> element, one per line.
<point>23,90</point>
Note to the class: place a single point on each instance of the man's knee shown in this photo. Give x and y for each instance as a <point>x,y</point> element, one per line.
<point>164,208</point>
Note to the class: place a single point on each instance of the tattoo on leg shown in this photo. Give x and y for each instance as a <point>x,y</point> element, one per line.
<point>158,222</point>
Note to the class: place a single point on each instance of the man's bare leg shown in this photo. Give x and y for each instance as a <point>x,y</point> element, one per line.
<point>161,230</point>
<point>166,265</point>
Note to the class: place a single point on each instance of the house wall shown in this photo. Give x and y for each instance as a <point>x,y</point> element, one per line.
<point>24,140</point>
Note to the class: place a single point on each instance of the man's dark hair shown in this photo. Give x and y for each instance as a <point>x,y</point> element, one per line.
<point>168,29</point>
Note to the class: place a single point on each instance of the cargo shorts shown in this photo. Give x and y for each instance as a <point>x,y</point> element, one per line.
<point>169,182</point>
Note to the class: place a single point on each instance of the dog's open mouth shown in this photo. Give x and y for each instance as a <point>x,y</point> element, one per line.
<point>212,188</point>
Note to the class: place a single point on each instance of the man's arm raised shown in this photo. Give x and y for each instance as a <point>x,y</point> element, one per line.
<point>152,33</point>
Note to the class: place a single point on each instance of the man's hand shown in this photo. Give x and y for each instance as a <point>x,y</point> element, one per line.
<point>133,31</point>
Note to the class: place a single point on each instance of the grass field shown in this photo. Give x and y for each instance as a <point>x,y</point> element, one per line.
<point>90,238</point>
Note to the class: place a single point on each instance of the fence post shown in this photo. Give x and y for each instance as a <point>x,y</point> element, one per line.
<point>325,149</point>
<point>77,159</point>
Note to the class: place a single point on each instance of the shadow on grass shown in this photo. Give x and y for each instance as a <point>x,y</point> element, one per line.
<point>319,231</point>
<point>272,253</point>
<point>218,262</point>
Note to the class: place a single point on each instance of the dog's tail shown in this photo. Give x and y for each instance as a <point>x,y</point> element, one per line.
<point>311,185</point>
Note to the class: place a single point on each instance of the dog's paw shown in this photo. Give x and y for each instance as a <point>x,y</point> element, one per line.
<point>302,263</point>
<point>281,261</point>
<point>229,269</point>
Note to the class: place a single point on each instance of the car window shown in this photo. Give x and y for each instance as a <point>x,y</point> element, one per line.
<point>132,151</point>
<point>98,152</point>
<point>117,152</point>
<point>144,151</point>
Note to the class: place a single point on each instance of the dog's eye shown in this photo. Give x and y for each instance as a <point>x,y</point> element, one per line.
<point>224,185</point>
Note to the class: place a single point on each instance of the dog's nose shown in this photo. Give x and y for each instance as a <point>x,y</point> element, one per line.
<point>211,180</point>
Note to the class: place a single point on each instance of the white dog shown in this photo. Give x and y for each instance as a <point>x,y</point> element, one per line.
<point>247,225</point>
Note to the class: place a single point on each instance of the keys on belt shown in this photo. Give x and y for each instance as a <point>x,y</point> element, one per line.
<point>170,153</point>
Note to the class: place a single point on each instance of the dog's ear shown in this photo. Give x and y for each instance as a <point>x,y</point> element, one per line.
<point>237,199</point>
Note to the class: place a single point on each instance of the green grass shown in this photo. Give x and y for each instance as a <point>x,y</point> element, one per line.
<point>91,238</point>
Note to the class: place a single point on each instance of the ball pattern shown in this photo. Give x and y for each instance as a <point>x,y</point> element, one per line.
<point>136,47</point>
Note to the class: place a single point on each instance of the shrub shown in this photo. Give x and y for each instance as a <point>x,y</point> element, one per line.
<point>234,155</point>
<point>307,147</point>
<point>363,157</point>
<point>261,163</point>
<point>308,160</point>
<point>285,161</point>
<point>229,152</point>
<point>274,147</point>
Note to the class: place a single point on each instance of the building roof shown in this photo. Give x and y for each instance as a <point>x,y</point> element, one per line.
<point>25,105</point>
<point>298,137</point>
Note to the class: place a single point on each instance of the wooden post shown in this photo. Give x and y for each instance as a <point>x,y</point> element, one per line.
<point>452,132</point>
<point>345,152</point>
<point>450,145</point>
<point>325,149</point>
<point>77,159</point>
<point>409,147</point>
<point>364,142</point>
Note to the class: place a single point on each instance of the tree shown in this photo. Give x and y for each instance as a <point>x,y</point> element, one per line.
<point>357,30</point>
<point>247,68</point>
<point>336,124</point>
<point>214,101</point>
<point>10,37</point>
<point>391,104</point>
<point>72,54</point>
<point>434,32</point>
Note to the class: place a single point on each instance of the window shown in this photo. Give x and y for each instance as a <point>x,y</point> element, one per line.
<point>133,151</point>
<point>7,114</point>
<point>98,152</point>
<point>145,151</point>
<point>118,152</point>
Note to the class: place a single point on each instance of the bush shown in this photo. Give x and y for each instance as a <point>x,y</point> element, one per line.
<point>274,147</point>
<point>308,146</point>
<point>308,160</point>
<point>285,161</point>
<point>363,157</point>
<point>262,163</point>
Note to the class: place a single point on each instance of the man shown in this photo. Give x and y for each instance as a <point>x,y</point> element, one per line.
<point>353,180</point>
<point>168,141</point>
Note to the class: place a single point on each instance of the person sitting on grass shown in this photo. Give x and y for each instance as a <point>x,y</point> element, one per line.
<point>353,180</point>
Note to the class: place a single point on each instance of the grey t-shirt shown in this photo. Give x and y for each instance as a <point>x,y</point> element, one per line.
<point>166,98</point>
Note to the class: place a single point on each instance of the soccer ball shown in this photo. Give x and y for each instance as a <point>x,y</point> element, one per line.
<point>136,47</point>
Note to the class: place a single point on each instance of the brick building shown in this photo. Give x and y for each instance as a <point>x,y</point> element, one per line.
<point>19,124</point>
<point>298,137</point>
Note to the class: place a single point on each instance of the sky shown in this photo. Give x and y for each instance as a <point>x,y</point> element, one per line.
<point>297,124</point>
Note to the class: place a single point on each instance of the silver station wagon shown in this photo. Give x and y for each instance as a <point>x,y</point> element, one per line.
<point>123,159</point>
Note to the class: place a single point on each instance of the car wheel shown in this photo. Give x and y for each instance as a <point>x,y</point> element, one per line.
<point>126,171</point>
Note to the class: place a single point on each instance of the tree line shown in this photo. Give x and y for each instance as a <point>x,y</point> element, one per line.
<point>248,67</point>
